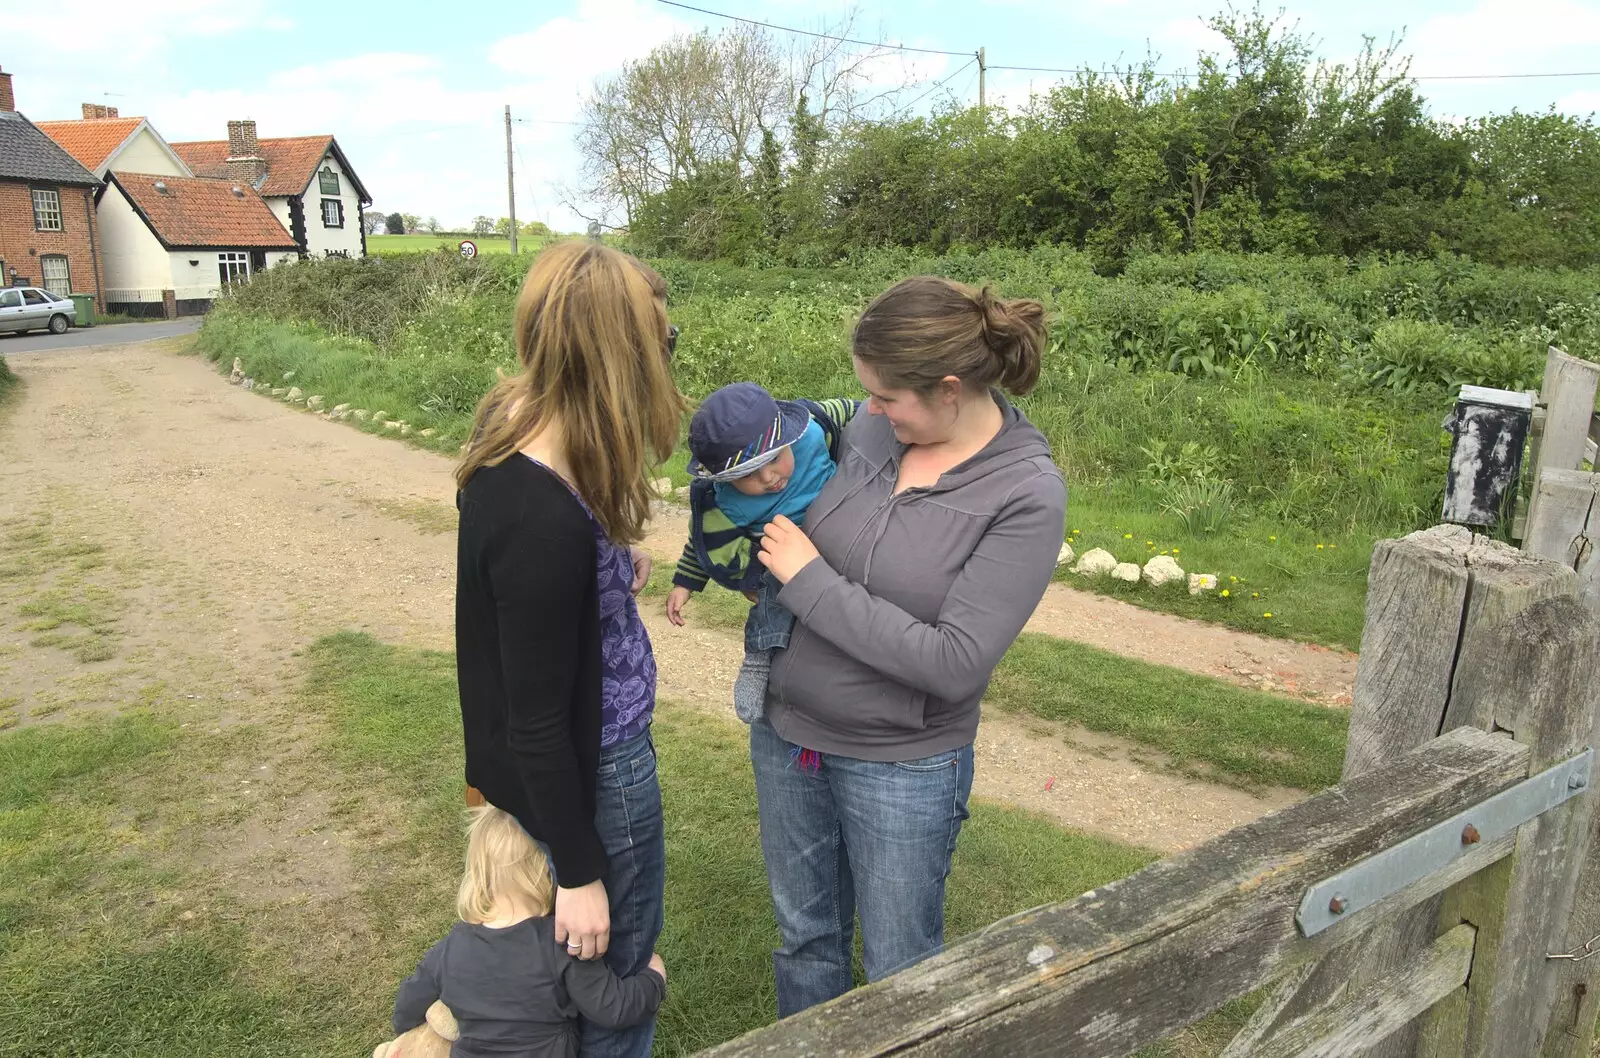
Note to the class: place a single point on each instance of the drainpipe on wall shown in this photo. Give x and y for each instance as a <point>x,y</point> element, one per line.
<point>94,253</point>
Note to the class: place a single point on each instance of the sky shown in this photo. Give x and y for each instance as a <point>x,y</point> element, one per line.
<point>415,92</point>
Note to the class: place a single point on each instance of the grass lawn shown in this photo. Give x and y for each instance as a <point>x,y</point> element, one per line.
<point>1204,727</point>
<point>421,243</point>
<point>117,938</point>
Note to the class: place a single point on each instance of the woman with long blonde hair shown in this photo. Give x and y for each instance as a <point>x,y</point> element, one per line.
<point>555,669</point>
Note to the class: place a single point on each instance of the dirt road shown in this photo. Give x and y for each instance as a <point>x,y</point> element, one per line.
<point>238,530</point>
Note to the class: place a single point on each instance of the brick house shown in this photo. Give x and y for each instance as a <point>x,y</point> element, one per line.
<point>49,233</point>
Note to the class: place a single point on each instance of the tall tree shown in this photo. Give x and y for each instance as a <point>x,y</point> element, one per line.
<point>394,224</point>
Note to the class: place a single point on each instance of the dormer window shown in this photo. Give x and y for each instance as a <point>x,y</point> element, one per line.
<point>329,180</point>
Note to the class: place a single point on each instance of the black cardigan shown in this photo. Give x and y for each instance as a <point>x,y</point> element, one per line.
<point>528,657</point>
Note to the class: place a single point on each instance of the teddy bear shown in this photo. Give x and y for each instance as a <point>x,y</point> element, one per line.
<point>431,1039</point>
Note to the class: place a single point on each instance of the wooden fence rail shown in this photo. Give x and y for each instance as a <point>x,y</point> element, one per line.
<point>1468,637</point>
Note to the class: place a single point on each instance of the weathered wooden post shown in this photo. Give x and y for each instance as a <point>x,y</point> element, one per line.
<point>1561,424</point>
<point>1445,612</point>
<point>1564,526</point>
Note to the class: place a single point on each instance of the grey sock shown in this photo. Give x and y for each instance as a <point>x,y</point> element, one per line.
<point>750,689</point>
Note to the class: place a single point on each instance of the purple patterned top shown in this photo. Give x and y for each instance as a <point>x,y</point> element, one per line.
<point>627,663</point>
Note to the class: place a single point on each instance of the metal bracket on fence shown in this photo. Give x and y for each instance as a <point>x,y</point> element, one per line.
<point>1338,897</point>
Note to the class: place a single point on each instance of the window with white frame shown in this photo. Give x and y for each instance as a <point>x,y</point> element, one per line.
<point>46,210</point>
<point>328,181</point>
<point>233,267</point>
<point>332,213</point>
<point>57,275</point>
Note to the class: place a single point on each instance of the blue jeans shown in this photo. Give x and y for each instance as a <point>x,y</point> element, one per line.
<point>853,836</point>
<point>769,623</point>
<point>628,817</point>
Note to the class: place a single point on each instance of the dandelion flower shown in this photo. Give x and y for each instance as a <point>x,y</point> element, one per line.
<point>1174,551</point>
<point>1320,546</point>
<point>1149,543</point>
<point>1255,595</point>
<point>1267,614</point>
<point>1272,538</point>
<point>1226,593</point>
<point>1127,536</point>
<point>1233,580</point>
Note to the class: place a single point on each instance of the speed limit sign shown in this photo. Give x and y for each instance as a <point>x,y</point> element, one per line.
<point>469,249</point>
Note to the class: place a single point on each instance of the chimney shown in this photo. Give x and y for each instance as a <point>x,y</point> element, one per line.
<point>7,100</point>
<point>92,111</point>
<point>242,139</point>
<point>244,162</point>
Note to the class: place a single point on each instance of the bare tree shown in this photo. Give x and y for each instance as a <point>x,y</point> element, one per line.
<point>702,100</point>
<point>371,221</point>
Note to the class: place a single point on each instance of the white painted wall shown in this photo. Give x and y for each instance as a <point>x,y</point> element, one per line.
<point>320,239</point>
<point>145,153</point>
<point>202,280</point>
<point>132,257</point>
<point>280,209</point>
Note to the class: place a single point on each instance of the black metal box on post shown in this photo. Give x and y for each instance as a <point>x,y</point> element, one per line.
<point>1490,427</point>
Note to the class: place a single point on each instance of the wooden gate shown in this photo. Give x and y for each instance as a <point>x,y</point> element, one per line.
<point>1424,906</point>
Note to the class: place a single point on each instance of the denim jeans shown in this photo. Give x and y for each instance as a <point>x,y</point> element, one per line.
<point>854,836</point>
<point>769,623</point>
<point>628,817</point>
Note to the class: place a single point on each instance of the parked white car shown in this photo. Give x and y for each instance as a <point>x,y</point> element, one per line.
<point>24,309</point>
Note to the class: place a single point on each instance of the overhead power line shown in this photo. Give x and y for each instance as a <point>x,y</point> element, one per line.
<point>809,33</point>
<point>1084,69</point>
<point>1497,76</point>
<point>1414,77</point>
<point>965,66</point>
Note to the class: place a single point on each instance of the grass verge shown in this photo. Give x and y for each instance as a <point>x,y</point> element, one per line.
<point>1204,727</point>
<point>116,938</point>
<point>9,382</point>
<point>395,715</point>
<point>1207,728</point>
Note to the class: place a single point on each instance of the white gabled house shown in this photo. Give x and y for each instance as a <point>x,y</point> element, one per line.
<point>103,141</point>
<point>307,182</point>
<point>171,243</point>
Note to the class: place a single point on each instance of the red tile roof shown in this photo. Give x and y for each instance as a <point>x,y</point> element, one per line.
<point>192,212</point>
<point>90,141</point>
<point>291,160</point>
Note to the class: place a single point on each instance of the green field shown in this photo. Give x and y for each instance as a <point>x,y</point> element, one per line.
<point>418,243</point>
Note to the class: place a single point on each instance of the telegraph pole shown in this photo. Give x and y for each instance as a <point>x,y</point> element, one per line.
<point>982,109</point>
<point>511,183</point>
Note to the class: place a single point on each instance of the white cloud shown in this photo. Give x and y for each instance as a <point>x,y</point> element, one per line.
<point>1506,36</point>
<point>124,36</point>
<point>559,60</point>
<point>1581,103</point>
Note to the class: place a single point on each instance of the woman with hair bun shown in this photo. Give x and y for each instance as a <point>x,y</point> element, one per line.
<point>920,562</point>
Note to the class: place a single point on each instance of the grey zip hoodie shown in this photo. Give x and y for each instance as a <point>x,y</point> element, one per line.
<point>916,597</point>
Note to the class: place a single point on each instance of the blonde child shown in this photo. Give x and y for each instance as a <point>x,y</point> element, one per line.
<point>512,988</point>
